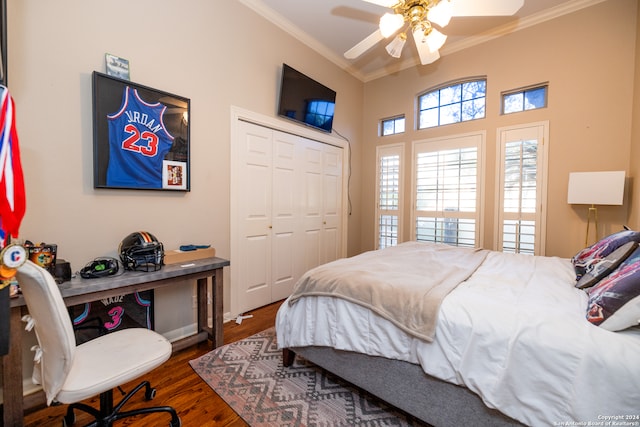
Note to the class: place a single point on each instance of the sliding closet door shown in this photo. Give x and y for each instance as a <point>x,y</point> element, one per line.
<point>287,205</point>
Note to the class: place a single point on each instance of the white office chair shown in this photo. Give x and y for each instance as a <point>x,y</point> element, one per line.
<point>69,373</point>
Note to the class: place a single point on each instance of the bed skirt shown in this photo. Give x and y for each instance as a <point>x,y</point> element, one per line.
<point>406,386</point>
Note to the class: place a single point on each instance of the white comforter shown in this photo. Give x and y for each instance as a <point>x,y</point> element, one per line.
<point>515,333</point>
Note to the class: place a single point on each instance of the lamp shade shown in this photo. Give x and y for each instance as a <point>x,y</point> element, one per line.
<point>596,188</point>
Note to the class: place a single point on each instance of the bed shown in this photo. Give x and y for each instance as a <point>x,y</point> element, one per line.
<point>493,339</point>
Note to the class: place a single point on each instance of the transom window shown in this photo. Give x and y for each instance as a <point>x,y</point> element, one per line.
<point>392,126</point>
<point>524,99</point>
<point>455,103</point>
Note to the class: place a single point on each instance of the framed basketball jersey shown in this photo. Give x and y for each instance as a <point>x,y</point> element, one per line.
<point>141,136</point>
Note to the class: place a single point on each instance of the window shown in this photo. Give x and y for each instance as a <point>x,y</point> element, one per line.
<point>392,126</point>
<point>447,192</point>
<point>521,210</point>
<point>451,104</point>
<point>524,99</point>
<point>389,194</point>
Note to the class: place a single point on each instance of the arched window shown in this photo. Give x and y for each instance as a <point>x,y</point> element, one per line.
<point>457,102</point>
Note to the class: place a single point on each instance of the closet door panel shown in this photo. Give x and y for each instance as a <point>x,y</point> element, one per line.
<point>311,251</point>
<point>332,203</point>
<point>312,192</point>
<point>257,210</point>
<point>282,265</point>
<point>312,203</point>
<point>254,217</point>
<point>257,270</point>
<point>330,218</point>
<point>285,215</point>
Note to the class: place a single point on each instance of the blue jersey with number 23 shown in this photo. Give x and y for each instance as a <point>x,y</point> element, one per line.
<point>138,142</point>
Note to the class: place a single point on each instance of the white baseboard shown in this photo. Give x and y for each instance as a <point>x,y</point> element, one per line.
<point>188,330</point>
<point>183,332</point>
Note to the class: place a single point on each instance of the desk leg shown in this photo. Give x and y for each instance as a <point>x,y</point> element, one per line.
<point>216,304</point>
<point>203,312</point>
<point>12,373</point>
<point>215,333</point>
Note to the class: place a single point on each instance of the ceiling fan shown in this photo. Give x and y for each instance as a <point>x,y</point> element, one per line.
<point>418,17</point>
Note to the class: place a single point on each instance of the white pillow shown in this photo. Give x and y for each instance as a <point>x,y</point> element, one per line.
<point>628,315</point>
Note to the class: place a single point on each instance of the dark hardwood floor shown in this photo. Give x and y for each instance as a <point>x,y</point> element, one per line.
<point>177,385</point>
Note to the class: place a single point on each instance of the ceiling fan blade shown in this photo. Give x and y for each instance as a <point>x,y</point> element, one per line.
<point>383,3</point>
<point>486,7</point>
<point>366,44</point>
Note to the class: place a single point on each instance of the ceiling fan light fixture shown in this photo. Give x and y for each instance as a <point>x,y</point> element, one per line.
<point>418,15</point>
<point>390,23</point>
<point>421,38</point>
<point>435,39</point>
<point>441,13</point>
<point>426,56</point>
<point>397,44</point>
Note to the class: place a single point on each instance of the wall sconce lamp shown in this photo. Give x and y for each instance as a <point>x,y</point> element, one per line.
<point>595,188</point>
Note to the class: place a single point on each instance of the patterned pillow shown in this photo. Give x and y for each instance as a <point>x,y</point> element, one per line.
<point>614,303</point>
<point>586,259</point>
<point>606,265</point>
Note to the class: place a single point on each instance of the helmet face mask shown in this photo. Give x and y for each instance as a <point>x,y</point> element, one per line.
<point>141,251</point>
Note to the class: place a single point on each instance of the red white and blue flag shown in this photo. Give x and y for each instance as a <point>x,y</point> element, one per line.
<point>12,194</point>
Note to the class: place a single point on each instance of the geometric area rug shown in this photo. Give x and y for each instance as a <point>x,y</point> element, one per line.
<point>249,376</point>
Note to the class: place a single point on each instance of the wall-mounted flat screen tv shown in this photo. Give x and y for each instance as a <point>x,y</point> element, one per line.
<point>305,100</point>
<point>140,136</point>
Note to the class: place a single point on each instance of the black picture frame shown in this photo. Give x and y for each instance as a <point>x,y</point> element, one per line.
<point>143,145</point>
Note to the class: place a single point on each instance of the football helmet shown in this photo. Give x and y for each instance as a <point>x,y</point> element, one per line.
<point>141,251</point>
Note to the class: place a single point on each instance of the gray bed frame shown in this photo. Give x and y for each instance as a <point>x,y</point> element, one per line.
<point>405,386</point>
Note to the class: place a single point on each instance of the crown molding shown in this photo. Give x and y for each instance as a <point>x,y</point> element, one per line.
<point>299,34</point>
<point>512,27</point>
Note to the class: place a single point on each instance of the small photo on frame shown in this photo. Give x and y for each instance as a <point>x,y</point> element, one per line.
<point>117,67</point>
<point>173,175</point>
<point>140,136</point>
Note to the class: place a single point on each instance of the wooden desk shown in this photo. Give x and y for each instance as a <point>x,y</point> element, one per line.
<point>80,291</point>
